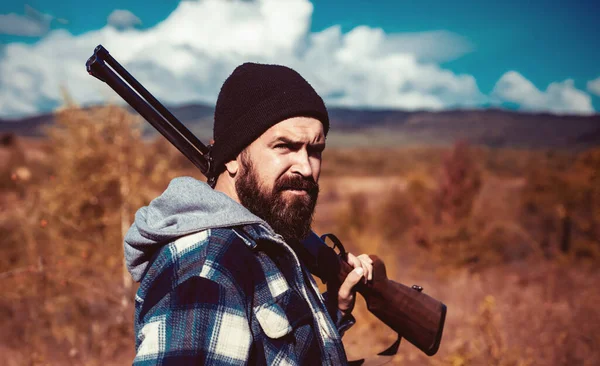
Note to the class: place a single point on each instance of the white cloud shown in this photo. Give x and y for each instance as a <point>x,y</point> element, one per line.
<point>559,97</point>
<point>122,19</point>
<point>186,58</point>
<point>593,86</point>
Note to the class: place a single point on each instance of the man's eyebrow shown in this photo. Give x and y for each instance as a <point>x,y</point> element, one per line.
<point>319,146</point>
<point>287,140</point>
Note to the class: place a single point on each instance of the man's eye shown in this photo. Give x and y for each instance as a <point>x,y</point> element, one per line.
<point>283,146</point>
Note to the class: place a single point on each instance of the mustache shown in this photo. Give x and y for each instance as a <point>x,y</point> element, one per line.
<point>298,183</point>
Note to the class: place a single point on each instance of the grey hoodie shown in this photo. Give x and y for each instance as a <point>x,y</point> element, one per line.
<point>185,207</point>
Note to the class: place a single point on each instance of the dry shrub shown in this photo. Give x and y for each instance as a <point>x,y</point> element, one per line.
<point>421,190</point>
<point>459,184</point>
<point>501,242</point>
<point>491,235</point>
<point>374,161</point>
<point>12,247</point>
<point>585,178</point>
<point>539,314</point>
<point>560,206</point>
<point>489,345</point>
<point>395,216</point>
<point>68,272</point>
<point>355,216</point>
<point>498,199</point>
<point>17,172</point>
<point>389,216</point>
<point>507,303</point>
<point>498,243</point>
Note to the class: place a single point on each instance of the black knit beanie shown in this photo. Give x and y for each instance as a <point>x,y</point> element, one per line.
<point>254,98</point>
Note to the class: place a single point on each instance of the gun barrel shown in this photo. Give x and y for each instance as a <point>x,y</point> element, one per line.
<point>148,107</point>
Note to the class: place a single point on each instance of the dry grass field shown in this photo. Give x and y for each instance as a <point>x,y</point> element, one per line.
<point>508,239</point>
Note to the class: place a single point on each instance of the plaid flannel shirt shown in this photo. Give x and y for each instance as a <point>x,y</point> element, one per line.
<point>232,297</point>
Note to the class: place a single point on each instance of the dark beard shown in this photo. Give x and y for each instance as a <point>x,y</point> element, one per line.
<point>292,217</point>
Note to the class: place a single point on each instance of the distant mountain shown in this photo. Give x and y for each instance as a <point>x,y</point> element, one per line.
<point>387,128</point>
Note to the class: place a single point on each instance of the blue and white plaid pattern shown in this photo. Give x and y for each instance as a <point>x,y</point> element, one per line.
<point>218,297</point>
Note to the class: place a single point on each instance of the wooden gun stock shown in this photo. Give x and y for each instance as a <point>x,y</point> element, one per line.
<point>412,314</point>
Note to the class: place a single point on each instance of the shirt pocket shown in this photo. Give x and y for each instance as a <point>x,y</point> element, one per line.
<point>283,315</point>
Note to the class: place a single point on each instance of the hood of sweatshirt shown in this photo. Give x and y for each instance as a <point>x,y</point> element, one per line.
<point>185,207</point>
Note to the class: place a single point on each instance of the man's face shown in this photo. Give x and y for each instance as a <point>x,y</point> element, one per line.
<point>278,175</point>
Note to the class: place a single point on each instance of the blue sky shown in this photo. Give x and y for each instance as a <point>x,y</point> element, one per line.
<point>513,50</point>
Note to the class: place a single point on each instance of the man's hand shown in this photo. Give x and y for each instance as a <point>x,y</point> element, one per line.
<point>363,269</point>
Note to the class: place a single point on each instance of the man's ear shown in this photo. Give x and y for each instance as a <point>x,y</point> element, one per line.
<point>232,167</point>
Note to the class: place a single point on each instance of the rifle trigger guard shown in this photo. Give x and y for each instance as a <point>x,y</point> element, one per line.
<point>337,243</point>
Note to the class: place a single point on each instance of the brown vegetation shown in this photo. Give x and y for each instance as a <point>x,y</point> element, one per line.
<point>508,239</point>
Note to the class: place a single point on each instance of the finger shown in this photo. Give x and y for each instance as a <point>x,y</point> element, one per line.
<point>368,268</point>
<point>353,261</point>
<point>366,258</point>
<point>362,261</point>
<point>352,279</point>
<point>367,265</point>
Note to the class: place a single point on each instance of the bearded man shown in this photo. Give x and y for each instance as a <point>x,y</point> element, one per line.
<point>221,271</point>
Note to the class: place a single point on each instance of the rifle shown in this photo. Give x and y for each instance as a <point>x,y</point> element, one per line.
<point>407,310</point>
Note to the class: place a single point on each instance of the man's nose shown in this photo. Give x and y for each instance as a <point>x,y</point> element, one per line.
<point>302,164</point>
